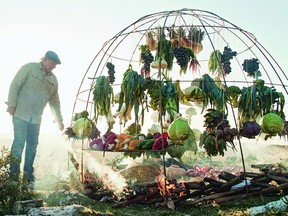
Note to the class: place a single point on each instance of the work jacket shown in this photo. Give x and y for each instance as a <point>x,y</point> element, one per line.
<point>30,91</point>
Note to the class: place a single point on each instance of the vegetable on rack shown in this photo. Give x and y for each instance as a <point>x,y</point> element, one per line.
<point>151,42</point>
<point>146,58</point>
<point>161,142</point>
<point>182,97</point>
<point>271,124</point>
<point>82,127</point>
<point>233,94</point>
<point>132,94</point>
<point>251,66</point>
<point>103,98</point>
<point>159,63</point>
<point>195,37</point>
<point>179,130</point>
<point>189,144</point>
<point>170,100</point>
<point>214,63</point>
<point>250,129</point>
<point>183,40</point>
<point>213,95</point>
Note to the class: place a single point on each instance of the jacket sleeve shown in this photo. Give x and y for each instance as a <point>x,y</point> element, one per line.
<point>55,107</point>
<point>16,85</point>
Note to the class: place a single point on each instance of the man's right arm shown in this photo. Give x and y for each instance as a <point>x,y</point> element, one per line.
<point>15,88</point>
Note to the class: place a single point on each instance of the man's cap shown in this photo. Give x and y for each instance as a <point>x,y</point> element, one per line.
<point>53,56</point>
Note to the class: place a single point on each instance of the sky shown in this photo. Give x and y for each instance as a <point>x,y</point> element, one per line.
<point>76,30</point>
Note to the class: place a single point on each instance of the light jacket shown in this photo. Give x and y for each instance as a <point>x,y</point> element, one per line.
<point>30,91</point>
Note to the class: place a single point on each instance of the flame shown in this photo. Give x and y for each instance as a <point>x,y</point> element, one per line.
<point>164,186</point>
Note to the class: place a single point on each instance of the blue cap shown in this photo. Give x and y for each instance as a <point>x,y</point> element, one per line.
<point>53,56</point>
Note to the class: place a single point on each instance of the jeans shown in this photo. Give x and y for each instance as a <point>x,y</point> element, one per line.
<point>24,133</point>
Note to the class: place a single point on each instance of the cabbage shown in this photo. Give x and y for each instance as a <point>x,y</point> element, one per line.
<point>271,123</point>
<point>190,144</point>
<point>179,130</point>
<point>82,127</point>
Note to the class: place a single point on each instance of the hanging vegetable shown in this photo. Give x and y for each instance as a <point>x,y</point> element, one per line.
<point>170,100</point>
<point>159,63</point>
<point>164,55</point>
<point>218,134</point>
<point>212,94</point>
<point>183,40</point>
<point>189,144</point>
<point>196,36</point>
<point>151,42</point>
<point>179,130</point>
<point>82,127</point>
<point>181,95</point>
<point>146,58</point>
<point>250,129</point>
<point>271,124</point>
<point>182,56</point>
<point>111,72</point>
<point>154,91</point>
<point>227,55</point>
<point>132,94</point>
<point>233,93</point>
<point>103,98</point>
<point>194,64</point>
<point>173,35</point>
<point>251,66</point>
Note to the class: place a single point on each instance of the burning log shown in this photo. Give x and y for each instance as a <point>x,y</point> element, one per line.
<point>137,199</point>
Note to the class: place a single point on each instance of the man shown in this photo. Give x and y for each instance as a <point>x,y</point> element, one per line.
<point>33,86</point>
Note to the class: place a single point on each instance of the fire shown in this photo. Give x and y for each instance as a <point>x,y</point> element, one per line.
<point>165,186</point>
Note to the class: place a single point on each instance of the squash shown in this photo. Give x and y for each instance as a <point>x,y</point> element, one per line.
<point>133,144</point>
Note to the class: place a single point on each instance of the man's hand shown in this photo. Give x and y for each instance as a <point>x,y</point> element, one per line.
<point>11,110</point>
<point>60,125</point>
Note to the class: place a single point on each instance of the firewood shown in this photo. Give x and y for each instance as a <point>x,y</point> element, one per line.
<point>136,199</point>
<point>259,184</point>
<point>266,191</point>
<point>264,179</point>
<point>182,198</point>
<point>213,182</point>
<point>212,197</point>
<point>227,186</point>
<point>254,175</point>
<point>234,197</point>
<point>278,179</point>
<point>194,185</point>
<point>226,176</point>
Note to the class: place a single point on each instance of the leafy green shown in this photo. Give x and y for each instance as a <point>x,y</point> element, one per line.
<point>102,97</point>
<point>179,130</point>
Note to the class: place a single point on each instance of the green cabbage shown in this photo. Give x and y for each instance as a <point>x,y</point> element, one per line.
<point>271,123</point>
<point>179,130</point>
<point>82,127</point>
<point>190,144</point>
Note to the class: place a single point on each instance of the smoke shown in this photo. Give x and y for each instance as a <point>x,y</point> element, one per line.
<point>110,178</point>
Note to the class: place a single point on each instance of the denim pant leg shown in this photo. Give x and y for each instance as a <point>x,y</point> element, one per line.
<point>31,148</point>
<point>20,134</point>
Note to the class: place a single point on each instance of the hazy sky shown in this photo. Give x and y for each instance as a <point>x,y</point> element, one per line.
<point>76,30</point>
